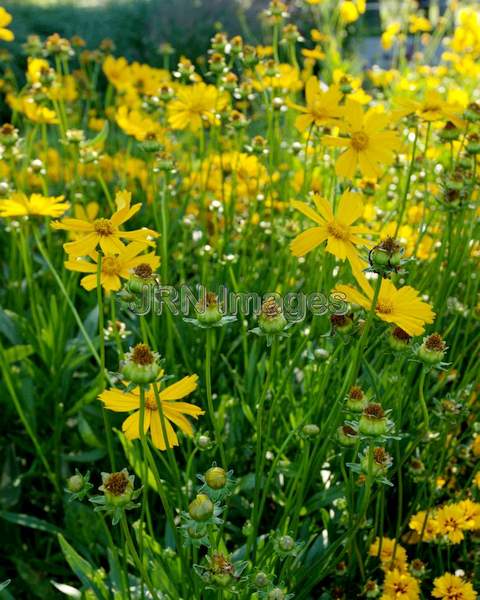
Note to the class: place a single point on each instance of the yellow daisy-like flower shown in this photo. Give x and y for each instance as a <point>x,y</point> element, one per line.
<point>429,529</point>
<point>451,522</point>
<point>401,306</point>
<point>105,233</point>
<point>20,205</point>
<point>323,107</point>
<point>5,19</point>
<point>114,267</point>
<point>173,411</point>
<point>399,585</point>
<point>195,106</point>
<point>338,229</point>
<point>432,108</point>
<point>368,144</point>
<point>451,587</point>
<point>386,546</point>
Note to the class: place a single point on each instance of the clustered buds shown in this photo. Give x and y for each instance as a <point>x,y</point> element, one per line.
<point>385,257</point>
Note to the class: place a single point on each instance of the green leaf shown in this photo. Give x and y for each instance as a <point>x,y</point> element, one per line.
<point>18,353</point>
<point>28,521</point>
<point>99,138</point>
<point>83,569</point>
<point>4,584</point>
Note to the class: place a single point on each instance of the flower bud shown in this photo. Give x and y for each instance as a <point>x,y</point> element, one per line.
<point>8,135</point>
<point>417,568</point>
<point>141,365</point>
<point>432,351</point>
<point>342,323</point>
<point>286,543</point>
<point>204,442</point>
<point>450,132</point>
<point>472,112</point>
<point>201,509</point>
<point>271,319</point>
<point>276,594</point>
<point>398,339</point>
<point>381,461</point>
<point>386,256</point>
<point>208,310</point>
<point>371,589</point>
<point>142,275</point>
<point>347,436</point>
<point>311,430</point>
<point>216,478</point>
<point>117,487</point>
<point>75,483</point>
<point>373,420</point>
<point>356,399</point>
<point>473,144</point>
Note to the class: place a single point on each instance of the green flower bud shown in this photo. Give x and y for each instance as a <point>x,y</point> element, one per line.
<point>473,144</point>
<point>216,478</point>
<point>381,461</point>
<point>371,589</point>
<point>208,310</point>
<point>201,509</point>
<point>386,256</point>
<point>450,132</point>
<point>117,487</point>
<point>271,319</point>
<point>8,135</point>
<point>432,351</point>
<point>373,420</point>
<point>142,276</point>
<point>342,323</point>
<point>472,112</point>
<point>356,399</point>
<point>141,365</point>
<point>398,339</point>
<point>276,594</point>
<point>261,580</point>
<point>347,436</point>
<point>75,483</point>
<point>311,430</point>
<point>286,543</point>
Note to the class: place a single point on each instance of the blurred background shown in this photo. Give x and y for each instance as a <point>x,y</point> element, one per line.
<point>139,27</point>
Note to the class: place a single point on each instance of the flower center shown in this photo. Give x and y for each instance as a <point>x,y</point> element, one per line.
<point>142,355</point>
<point>111,265</point>
<point>385,307</point>
<point>103,227</point>
<point>338,231</point>
<point>151,404</point>
<point>117,483</point>
<point>400,588</point>
<point>359,140</point>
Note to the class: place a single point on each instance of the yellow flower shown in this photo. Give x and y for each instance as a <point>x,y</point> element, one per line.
<point>451,587</point>
<point>400,586</point>
<point>432,108</point>
<point>5,19</point>
<point>337,229</point>
<point>387,548</point>
<point>19,205</point>
<point>173,411</point>
<point>115,70</point>
<point>36,67</point>
<point>195,106</point>
<point>419,24</point>
<point>114,266</point>
<point>368,144</point>
<point>430,529</point>
<point>451,522</point>
<point>134,123</point>
<point>389,35</point>
<point>348,11</point>
<point>105,232</point>
<point>401,306</point>
<point>471,514</point>
<point>323,107</point>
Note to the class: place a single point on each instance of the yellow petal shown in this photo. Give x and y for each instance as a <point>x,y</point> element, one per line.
<point>308,240</point>
<point>119,401</point>
<point>180,389</point>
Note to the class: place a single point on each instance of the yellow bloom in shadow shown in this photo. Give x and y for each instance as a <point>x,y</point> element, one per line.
<point>173,411</point>
<point>5,19</point>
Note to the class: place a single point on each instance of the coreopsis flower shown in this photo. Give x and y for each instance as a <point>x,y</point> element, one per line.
<point>134,122</point>
<point>452,587</point>
<point>390,35</point>
<point>322,107</point>
<point>20,205</point>
<point>429,529</point>
<point>419,24</point>
<point>105,233</point>
<point>368,144</point>
<point>451,522</point>
<point>5,19</point>
<point>196,106</point>
<point>173,411</point>
<point>400,585</point>
<point>401,306</point>
<point>384,548</point>
<point>337,229</point>
<point>433,107</point>
<point>114,266</point>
